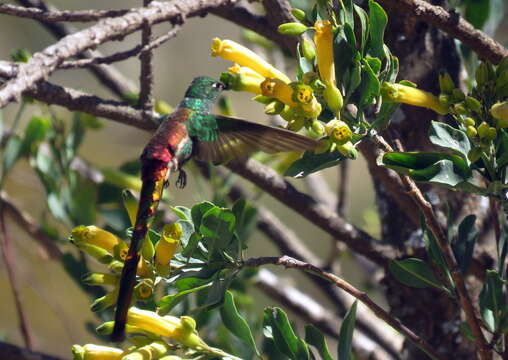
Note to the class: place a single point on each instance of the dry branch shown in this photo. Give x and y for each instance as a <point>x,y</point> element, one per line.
<point>43,63</point>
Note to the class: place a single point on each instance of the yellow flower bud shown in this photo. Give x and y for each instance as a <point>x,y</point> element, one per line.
<point>323,39</point>
<point>446,83</point>
<point>292,29</point>
<point>232,51</point>
<point>96,352</point>
<point>151,351</point>
<point>471,131</point>
<point>99,279</point>
<point>483,129</point>
<point>94,236</point>
<point>307,50</point>
<point>409,95</point>
<point>318,127</point>
<point>151,322</point>
<point>163,107</point>
<point>348,150</point>
<point>473,104</point>
<point>105,301</point>
<point>100,254</point>
<point>333,98</point>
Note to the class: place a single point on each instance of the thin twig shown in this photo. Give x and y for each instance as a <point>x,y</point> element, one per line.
<point>318,214</point>
<point>292,263</point>
<point>453,24</point>
<point>145,102</point>
<point>43,63</point>
<point>57,16</point>
<point>122,55</point>
<point>9,257</point>
<point>107,75</point>
<point>29,225</point>
<point>435,227</point>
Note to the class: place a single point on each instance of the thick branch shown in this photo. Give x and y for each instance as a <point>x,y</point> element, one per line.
<point>43,63</point>
<point>451,22</point>
<point>318,214</point>
<point>56,16</point>
<point>75,100</point>
<point>146,74</point>
<point>292,263</point>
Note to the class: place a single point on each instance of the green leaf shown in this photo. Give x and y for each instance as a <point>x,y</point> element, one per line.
<point>191,246</point>
<point>217,291</point>
<point>369,86</point>
<point>283,334</point>
<point>343,54</point>
<point>311,162</point>
<point>187,231</point>
<point>436,168</point>
<point>492,300</point>
<point>12,153</point>
<point>346,333</point>
<point>502,250</point>
<point>378,20</point>
<point>444,135</point>
<point>182,212</point>
<point>235,323</point>
<point>198,211</point>
<point>464,246</point>
<point>315,337</point>
<point>477,12</point>
<point>433,250</point>
<point>414,273</point>
<point>364,26</point>
<point>217,223</point>
<point>168,302</point>
<point>35,132</point>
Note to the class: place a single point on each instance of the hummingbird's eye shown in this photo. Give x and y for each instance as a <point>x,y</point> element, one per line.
<point>218,85</point>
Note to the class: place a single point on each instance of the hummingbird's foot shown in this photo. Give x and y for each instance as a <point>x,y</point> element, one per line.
<point>182,179</point>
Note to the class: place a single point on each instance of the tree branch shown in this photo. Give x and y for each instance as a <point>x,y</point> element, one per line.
<point>451,23</point>
<point>145,102</point>
<point>318,214</point>
<point>57,16</point>
<point>26,222</point>
<point>434,226</point>
<point>75,100</point>
<point>43,63</point>
<point>121,55</point>
<point>107,75</point>
<point>292,263</point>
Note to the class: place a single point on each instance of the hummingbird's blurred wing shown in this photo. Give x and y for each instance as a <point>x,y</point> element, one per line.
<point>236,138</point>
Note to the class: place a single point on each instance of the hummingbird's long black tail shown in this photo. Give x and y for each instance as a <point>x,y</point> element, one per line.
<point>153,175</point>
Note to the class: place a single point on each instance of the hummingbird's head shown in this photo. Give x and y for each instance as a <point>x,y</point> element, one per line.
<point>205,88</point>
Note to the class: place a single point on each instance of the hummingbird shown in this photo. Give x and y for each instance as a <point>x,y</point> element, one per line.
<point>192,131</point>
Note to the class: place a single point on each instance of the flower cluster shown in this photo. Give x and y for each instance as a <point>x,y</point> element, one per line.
<point>300,102</point>
<point>110,250</point>
<point>156,337</point>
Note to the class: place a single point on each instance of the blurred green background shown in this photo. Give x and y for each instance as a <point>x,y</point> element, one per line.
<point>57,309</point>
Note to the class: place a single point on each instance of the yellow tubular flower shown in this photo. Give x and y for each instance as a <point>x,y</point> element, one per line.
<point>150,321</point>
<point>242,79</point>
<point>232,51</point>
<point>323,38</point>
<point>94,236</point>
<point>100,279</point>
<point>339,132</point>
<point>166,247</point>
<point>96,352</point>
<point>279,90</point>
<point>409,95</point>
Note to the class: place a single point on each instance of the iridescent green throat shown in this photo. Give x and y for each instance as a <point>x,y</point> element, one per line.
<point>199,105</point>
